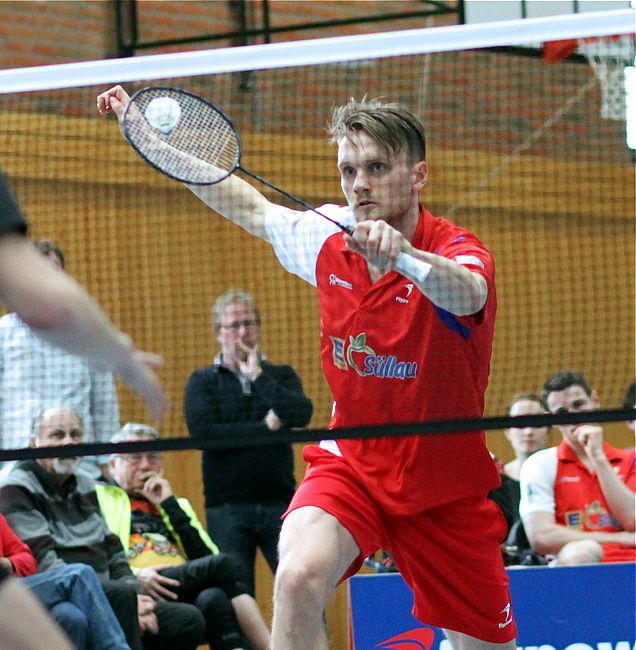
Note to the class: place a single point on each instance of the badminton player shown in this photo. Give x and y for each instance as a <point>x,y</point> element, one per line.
<point>394,351</point>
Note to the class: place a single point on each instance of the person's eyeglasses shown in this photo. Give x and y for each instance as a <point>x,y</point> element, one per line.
<point>235,325</point>
<point>153,457</point>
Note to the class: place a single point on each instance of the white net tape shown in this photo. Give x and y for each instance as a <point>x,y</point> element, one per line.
<point>609,57</point>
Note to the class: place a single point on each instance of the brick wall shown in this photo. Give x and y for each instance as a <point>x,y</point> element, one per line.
<point>43,32</point>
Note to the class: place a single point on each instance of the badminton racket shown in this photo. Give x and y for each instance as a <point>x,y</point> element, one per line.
<point>190,140</point>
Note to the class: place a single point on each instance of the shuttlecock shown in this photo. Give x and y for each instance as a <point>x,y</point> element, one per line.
<point>163,114</point>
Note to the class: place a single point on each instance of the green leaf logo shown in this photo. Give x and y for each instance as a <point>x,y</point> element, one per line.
<point>358,344</point>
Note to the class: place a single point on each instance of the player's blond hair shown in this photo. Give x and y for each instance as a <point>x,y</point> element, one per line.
<point>390,125</point>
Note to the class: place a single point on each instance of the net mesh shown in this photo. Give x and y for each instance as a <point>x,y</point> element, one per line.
<point>518,153</point>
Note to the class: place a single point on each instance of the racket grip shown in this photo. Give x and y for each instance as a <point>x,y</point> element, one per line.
<point>416,270</point>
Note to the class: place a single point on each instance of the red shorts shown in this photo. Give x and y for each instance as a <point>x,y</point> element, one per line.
<point>450,555</point>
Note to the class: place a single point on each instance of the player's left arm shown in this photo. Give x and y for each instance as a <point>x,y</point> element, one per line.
<point>456,278</point>
<point>451,285</point>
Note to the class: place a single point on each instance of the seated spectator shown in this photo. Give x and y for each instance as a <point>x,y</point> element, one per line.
<point>23,620</point>
<point>525,440</point>
<point>170,551</point>
<point>71,593</point>
<point>54,510</point>
<point>577,499</point>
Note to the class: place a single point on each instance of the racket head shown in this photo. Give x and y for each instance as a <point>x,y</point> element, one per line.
<point>194,142</point>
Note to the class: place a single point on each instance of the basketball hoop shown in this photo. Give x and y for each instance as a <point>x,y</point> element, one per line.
<point>608,57</point>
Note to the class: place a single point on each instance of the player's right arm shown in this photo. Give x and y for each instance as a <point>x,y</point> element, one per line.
<point>548,537</point>
<point>233,198</point>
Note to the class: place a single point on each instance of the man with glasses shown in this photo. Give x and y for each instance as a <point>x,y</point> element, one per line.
<point>577,499</point>
<point>247,488</point>
<point>169,550</point>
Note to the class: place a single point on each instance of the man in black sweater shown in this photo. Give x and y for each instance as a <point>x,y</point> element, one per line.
<point>247,489</point>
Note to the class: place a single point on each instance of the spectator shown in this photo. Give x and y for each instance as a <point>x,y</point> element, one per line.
<point>577,499</point>
<point>170,551</point>
<point>54,510</point>
<point>525,440</point>
<point>35,374</point>
<point>71,593</point>
<point>247,489</point>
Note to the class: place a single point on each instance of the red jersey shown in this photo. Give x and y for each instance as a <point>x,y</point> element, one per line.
<point>579,499</point>
<point>391,356</point>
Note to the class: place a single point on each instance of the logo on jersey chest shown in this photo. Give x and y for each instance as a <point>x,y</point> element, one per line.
<point>339,282</point>
<point>362,358</point>
<point>405,299</point>
<point>593,517</point>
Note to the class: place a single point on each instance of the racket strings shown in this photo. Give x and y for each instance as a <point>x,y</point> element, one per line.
<point>202,148</point>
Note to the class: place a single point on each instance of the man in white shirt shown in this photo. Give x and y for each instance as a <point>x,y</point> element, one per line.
<point>35,374</point>
<point>577,499</point>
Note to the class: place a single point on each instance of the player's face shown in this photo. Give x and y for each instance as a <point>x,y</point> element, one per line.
<point>527,440</point>
<point>572,399</point>
<point>59,427</point>
<point>239,327</point>
<point>376,184</point>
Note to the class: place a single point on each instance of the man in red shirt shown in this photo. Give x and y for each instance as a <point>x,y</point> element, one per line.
<point>577,499</point>
<point>395,348</point>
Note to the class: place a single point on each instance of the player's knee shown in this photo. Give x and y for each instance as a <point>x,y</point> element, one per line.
<point>299,586</point>
<point>580,552</point>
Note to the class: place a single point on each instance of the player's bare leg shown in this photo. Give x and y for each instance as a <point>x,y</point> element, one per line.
<point>315,551</point>
<point>461,641</point>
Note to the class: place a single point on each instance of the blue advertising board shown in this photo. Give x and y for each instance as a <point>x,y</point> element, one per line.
<point>556,608</point>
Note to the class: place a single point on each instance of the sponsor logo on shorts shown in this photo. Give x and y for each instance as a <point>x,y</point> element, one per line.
<point>363,359</point>
<point>506,611</point>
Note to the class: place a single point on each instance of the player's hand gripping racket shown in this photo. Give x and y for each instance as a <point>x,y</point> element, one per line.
<point>190,140</point>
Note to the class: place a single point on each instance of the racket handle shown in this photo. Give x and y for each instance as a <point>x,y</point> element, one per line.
<point>416,270</point>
